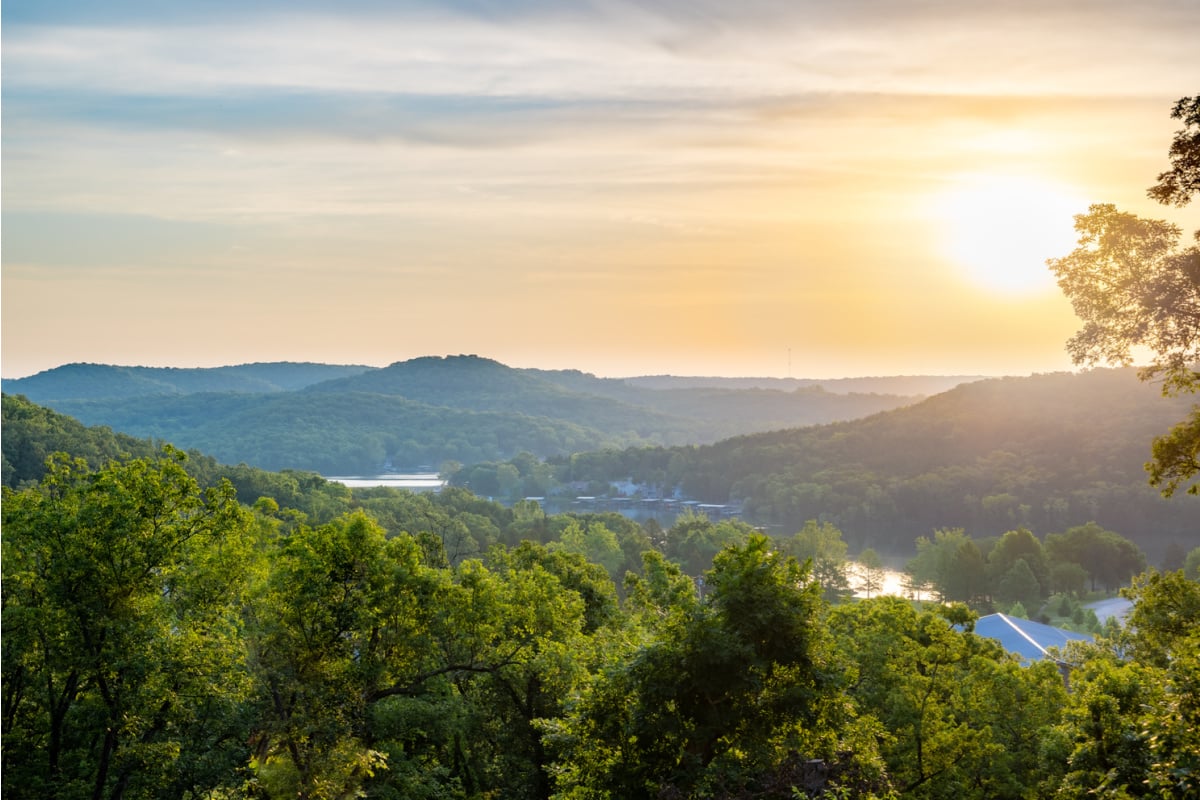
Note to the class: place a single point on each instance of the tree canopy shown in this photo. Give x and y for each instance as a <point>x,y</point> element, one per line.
<point>1177,185</point>
<point>163,640</point>
<point>1135,285</point>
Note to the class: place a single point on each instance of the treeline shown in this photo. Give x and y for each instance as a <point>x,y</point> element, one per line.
<point>79,381</point>
<point>336,433</point>
<point>32,433</point>
<point>348,420</point>
<point>957,565</point>
<point>163,639</point>
<point>1046,453</point>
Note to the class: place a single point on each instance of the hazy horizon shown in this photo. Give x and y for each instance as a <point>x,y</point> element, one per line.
<point>624,188</point>
<point>625,375</point>
<point>6,374</point>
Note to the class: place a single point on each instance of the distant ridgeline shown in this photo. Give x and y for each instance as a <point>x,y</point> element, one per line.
<point>353,419</point>
<point>1046,452</point>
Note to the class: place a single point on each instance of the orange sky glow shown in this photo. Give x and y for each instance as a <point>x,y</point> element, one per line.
<point>623,188</point>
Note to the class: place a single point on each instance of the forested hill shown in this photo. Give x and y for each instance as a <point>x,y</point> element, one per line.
<point>32,433</point>
<point>418,412</point>
<point>889,384</point>
<point>101,381</point>
<point>1047,451</point>
<point>343,433</point>
<point>481,384</point>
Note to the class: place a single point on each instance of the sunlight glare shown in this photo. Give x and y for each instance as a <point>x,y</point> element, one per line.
<point>1001,229</point>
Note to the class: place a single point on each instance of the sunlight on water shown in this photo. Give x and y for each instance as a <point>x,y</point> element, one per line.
<point>893,581</point>
<point>418,481</point>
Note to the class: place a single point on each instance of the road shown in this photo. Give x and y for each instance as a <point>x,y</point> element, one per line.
<point>1113,607</point>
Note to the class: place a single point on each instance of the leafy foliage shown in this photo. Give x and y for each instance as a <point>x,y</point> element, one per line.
<point>723,701</point>
<point>32,433</point>
<point>1133,285</point>
<point>1046,453</point>
<point>162,640</point>
<point>1177,185</point>
<point>124,667</point>
<point>962,718</point>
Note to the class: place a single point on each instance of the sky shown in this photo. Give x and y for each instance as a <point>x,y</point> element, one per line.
<point>698,187</point>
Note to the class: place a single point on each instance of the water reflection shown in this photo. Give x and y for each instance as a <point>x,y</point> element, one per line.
<point>414,481</point>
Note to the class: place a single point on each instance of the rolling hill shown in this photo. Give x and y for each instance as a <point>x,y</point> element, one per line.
<point>1046,452</point>
<point>103,381</point>
<point>421,411</point>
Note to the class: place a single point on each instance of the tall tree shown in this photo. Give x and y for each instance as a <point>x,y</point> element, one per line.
<point>822,542</point>
<point>733,699</point>
<point>871,573</point>
<point>1177,185</point>
<point>1135,286</point>
<point>961,716</point>
<point>952,564</point>
<point>1109,558</point>
<point>1019,544</point>
<point>123,664</point>
<point>381,672</point>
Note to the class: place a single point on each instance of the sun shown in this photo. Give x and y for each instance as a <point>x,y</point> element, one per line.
<point>1000,229</point>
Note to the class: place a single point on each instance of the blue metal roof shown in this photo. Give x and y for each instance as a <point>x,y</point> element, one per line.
<point>1026,638</point>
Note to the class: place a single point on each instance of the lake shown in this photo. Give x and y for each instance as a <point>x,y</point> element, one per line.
<point>430,482</point>
<point>413,481</point>
<point>893,581</point>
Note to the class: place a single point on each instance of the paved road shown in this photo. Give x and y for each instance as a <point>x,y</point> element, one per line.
<point>1113,607</point>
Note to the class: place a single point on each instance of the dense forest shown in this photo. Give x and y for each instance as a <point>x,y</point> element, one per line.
<point>177,628</point>
<point>83,381</point>
<point>1045,452</point>
<point>353,420</point>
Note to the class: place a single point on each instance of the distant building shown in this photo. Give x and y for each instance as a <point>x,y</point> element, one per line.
<point>1028,639</point>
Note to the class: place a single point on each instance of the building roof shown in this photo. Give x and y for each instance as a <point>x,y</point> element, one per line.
<point>1026,638</point>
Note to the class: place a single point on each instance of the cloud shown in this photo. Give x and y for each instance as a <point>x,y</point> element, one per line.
<point>493,147</point>
<point>614,50</point>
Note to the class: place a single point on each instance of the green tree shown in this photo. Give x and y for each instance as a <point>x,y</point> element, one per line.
<point>342,618</point>
<point>730,701</point>
<point>952,563</point>
<point>1019,585</point>
<point>1134,286</point>
<point>383,673</point>
<point>693,540</point>
<point>589,580</point>
<point>1165,631</point>
<point>661,596</point>
<point>961,717</point>
<point>1174,726</point>
<point>1165,616</point>
<point>1191,564</point>
<point>822,543</point>
<point>1131,727</point>
<point>593,541</point>
<point>517,646</point>
<point>1022,545</point>
<point>123,665</point>
<point>1100,747</point>
<point>1109,558</point>
<point>870,572</point>
<point>1068,577</point>
<point>1177,185</point>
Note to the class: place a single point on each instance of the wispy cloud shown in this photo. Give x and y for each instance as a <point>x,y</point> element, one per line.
<point>511,146</point>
